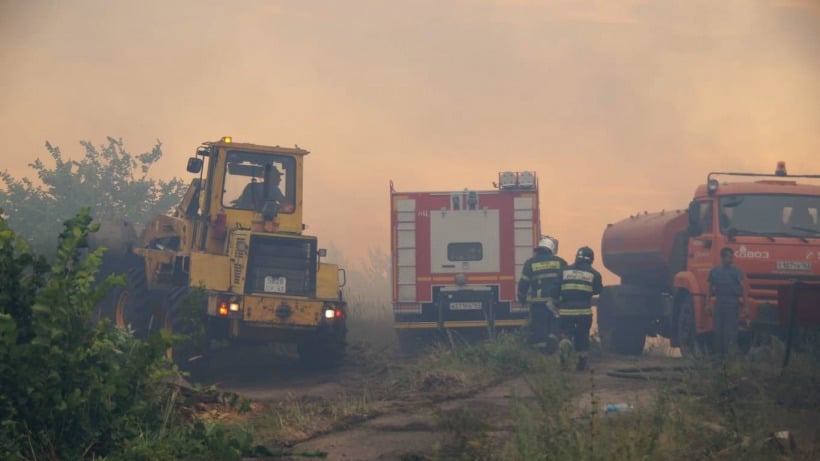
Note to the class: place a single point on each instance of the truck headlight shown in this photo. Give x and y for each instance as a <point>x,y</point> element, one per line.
<point>330,313</point>
<point>234,307</point>
<point>712,186</point>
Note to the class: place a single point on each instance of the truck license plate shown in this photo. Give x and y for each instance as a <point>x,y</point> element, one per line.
<point>275,284</point>
<point>793,266</point>
<point>465,306</point>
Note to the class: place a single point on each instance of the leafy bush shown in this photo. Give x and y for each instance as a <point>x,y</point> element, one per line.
<point>70,389</point>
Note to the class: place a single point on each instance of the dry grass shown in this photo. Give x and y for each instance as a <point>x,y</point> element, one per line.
<point>719,411</point>
<point>287,422</point>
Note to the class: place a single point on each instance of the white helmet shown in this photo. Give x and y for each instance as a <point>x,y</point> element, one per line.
<point>548,243</point>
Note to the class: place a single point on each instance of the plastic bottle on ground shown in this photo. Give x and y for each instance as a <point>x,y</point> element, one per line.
<point>617,407</point>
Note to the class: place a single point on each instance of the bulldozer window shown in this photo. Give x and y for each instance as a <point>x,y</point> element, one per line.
<point>245,181</point>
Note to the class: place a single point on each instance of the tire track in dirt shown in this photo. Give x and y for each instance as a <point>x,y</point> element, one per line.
<point>419,430</point>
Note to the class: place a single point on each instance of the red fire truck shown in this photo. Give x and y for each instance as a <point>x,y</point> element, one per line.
<point>457,256</point>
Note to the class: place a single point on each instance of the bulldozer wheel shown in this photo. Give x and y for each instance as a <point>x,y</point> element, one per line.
<point>119,312</point>
<point>125,305</point>
<point>169,315</point>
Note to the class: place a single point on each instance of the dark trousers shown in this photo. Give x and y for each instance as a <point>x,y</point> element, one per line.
<point>542,323</point>
<point>724,329</point>
<point>576,328</point>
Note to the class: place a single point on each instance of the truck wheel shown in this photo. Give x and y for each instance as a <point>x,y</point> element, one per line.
<point>324,349</point>
<point>181,313</point>
<point>410,342</point>
<point>623,334</point>
<point>690,343</point>
<point>125,305</point>
<point>605,314</point>
<point>629,336</point>
<point>413,342</point>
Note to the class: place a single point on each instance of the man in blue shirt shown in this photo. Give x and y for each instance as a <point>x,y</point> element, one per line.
<point>725,299</point>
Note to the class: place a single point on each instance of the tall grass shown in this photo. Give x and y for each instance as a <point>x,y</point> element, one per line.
<point>719,410</point>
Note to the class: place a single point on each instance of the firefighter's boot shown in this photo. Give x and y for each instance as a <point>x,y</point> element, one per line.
<point>582,363</point>
<point>564,352</point>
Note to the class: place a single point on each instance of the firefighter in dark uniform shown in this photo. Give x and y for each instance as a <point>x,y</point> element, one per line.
<point>538,282</point>
<point>579,283</point>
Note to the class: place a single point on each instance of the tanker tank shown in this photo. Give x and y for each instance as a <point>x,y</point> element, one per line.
<point>646,249</point>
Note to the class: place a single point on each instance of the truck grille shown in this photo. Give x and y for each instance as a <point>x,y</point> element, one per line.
<point>763,287</point>
<point>275,258</point>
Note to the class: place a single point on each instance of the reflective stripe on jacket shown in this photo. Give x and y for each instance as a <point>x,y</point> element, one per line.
<point>579,283</point>
<point>540,277</point>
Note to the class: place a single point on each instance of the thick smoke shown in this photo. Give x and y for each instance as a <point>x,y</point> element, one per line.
<point>620,106</point>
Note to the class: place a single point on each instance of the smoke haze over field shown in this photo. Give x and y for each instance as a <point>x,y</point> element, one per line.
<point>619,106</point>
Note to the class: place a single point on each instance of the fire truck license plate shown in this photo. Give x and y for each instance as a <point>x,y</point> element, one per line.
<point>465,306</point>
<point>275,284</point>
<point>793,266</point>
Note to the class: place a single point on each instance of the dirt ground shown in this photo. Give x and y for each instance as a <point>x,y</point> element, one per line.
<point>401,426</point>
<point>419,432</point>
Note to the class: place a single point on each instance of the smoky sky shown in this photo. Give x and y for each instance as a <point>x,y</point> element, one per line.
<point>619,106</point>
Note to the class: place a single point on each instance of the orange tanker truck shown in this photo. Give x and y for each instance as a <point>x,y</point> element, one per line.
<point>771,221</point>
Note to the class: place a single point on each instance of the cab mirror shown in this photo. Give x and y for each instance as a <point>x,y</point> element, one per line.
<point>194,165</point>
<point>322,252</point>
<point>694,219</point>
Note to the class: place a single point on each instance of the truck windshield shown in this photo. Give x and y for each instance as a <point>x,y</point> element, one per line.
<point>770,214</point>
<point>252,179</point>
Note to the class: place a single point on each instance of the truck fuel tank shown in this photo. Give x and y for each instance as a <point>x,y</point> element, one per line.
<point>648,248</point>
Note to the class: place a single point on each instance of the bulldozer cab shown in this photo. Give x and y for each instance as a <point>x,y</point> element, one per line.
<point>241,185</point>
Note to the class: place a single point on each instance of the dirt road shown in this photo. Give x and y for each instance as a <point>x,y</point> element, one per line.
<point>404,426</point>
<point>425,431</point>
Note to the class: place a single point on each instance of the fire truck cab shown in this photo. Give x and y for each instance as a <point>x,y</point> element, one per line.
<point>457,256</point>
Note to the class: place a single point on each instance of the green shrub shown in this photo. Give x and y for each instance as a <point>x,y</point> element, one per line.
<point>71,389</point>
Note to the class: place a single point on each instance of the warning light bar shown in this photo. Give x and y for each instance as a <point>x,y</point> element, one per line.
<point>516,180</point>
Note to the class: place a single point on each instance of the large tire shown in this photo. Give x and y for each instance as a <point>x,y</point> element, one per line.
<point>125,305</point>
<point>623,334</point>
<point>691,344</point>
<point>629,336</point>
<point>410,342</point>
<point>415,341</point>
<point>324,349</point>
<point>605,316</point>
<point>182,314</point>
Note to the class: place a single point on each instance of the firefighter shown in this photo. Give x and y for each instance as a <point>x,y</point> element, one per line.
<point>579,283</point>
<point>536,286</point>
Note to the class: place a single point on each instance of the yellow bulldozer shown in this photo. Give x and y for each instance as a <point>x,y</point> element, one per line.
<point>238,236</point>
